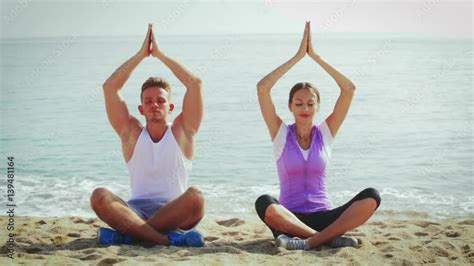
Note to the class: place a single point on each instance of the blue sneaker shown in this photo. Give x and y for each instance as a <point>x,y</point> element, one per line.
<point>186,238</point>
<point>107,237</point>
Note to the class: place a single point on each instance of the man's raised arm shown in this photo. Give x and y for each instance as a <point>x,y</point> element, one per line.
<point>117,110</point>
<point>192,103</point>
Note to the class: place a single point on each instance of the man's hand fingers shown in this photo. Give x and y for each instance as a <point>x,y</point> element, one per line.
<point>150,38</point>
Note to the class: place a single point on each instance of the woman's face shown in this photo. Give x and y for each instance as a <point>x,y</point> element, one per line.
<point>304,105</point>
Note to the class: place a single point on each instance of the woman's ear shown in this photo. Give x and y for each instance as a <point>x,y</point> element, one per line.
<point>171,108</point>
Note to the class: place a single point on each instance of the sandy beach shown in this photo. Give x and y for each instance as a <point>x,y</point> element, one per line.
<point>72,240</point>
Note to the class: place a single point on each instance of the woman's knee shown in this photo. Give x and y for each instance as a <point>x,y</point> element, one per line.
<point>262,203</point>
<point>373,194</point>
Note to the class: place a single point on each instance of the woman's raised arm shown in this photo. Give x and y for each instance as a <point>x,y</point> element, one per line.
<point>341,108</point>
<point>264,86</point>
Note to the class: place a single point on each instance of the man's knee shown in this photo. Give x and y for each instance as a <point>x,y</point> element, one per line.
<point>195,197</point>
<point>193,189</point>
<point>195,193</point>
<point>99,197</point>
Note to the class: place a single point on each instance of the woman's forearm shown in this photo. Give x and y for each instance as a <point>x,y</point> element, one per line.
<point>267,82</point>
<point>344,83</point>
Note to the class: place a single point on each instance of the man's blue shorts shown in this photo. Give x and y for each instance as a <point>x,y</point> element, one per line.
<point>145,208</point>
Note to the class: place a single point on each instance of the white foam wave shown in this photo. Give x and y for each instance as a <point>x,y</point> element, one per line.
<point>49,196</point>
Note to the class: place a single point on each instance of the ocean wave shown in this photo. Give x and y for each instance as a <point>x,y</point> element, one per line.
<point>49,196</point>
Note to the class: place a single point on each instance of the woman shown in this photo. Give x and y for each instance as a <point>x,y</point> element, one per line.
<point>303,219</point>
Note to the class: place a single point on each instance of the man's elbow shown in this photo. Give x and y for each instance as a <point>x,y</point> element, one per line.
<point>107,86</point>
<point>196,83</point>
<point>110,87</point>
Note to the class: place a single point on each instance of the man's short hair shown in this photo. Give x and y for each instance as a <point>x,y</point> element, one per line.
<point>155,82</point>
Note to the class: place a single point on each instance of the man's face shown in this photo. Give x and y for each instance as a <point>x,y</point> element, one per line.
<point>155,104</point>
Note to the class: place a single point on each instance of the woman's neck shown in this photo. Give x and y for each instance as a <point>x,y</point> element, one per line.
<point>303,130</point>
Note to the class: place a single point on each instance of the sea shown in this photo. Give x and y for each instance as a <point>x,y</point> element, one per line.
<point>409,132</point>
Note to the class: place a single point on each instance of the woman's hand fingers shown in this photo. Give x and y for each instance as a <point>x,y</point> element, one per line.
<point>309,37</point>
<point>305,35</point>
<point>311,52</point>
<point>304,43</point>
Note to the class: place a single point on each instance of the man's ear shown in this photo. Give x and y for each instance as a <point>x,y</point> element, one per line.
<point>140,109</point>
<point>171,107</point>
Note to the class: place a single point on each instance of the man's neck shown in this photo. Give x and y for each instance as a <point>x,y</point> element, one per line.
<point>157,130</point>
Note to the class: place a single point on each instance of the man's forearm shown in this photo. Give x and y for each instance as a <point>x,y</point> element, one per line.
<point>183,74</point>
<point>121,75</point>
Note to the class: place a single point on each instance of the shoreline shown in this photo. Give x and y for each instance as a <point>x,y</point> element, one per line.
<point>379,215</point>
<point>72,240</point>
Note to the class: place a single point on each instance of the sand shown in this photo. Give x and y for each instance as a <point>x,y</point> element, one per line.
<point>72,241</point>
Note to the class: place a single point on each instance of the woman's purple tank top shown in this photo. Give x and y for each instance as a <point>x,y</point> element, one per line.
<point>303,183</point>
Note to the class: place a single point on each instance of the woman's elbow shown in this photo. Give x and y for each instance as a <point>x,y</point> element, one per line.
<point>350,87</point>
<point>261,88</point>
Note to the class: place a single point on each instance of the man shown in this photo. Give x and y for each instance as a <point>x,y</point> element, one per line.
<point>158,156</point>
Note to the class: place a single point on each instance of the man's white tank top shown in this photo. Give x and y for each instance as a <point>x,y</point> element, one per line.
<point>158,169</point>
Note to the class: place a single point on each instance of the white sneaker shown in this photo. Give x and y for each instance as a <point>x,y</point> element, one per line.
<point>344,241</point>
<point>289,243</point>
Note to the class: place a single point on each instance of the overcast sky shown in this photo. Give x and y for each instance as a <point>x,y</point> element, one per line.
<point>28,18</point>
